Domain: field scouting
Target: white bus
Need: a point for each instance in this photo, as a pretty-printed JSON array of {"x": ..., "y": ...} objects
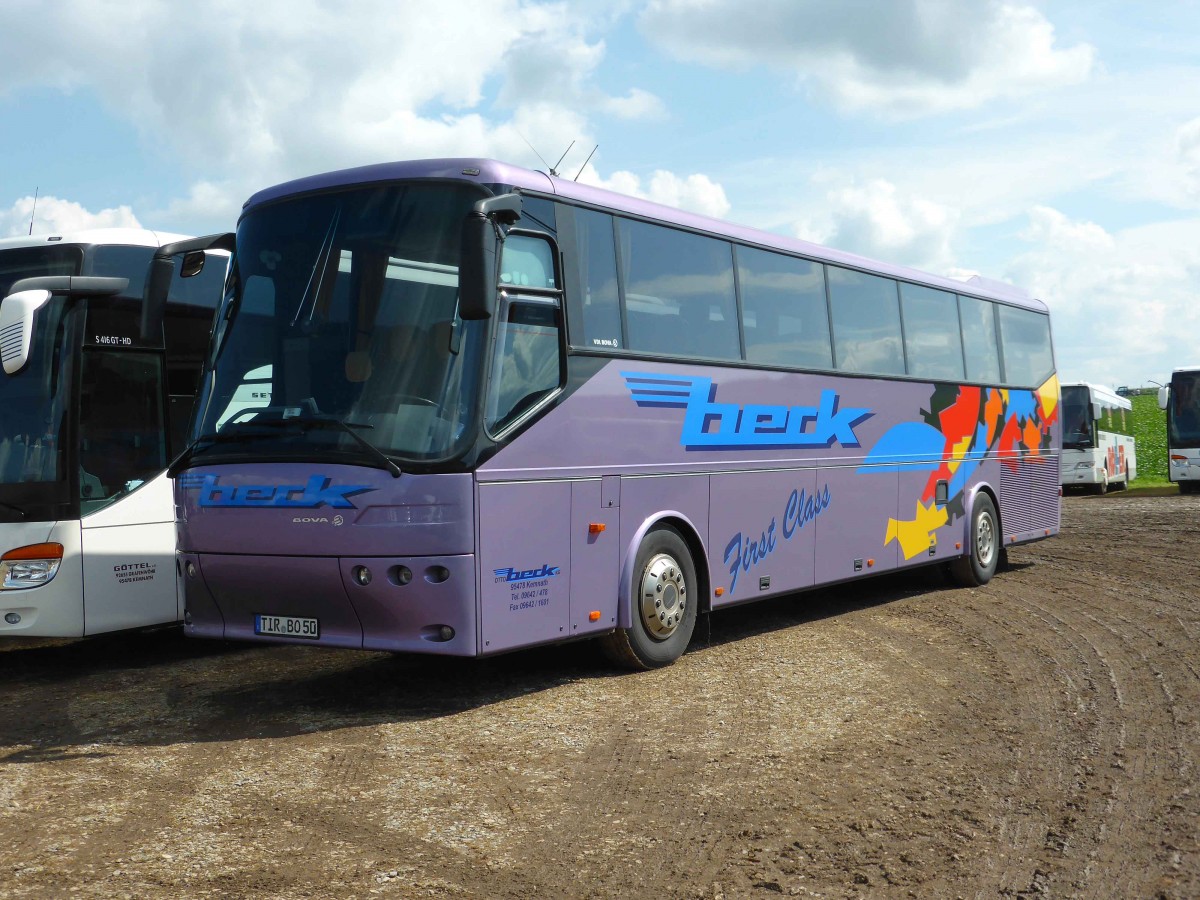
[
  {"x": 1181, "y": 400},
  {"x": 1098, "y": 446},
  {"x": 92, "y": 408}
]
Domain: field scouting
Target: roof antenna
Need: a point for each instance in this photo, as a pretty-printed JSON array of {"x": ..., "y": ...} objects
[
  {"x": 535, "y": 153},
  {"x": 554, "y": 168},
  {"x": 34, "y": 213},
  {"x": 586, "y": 161}
]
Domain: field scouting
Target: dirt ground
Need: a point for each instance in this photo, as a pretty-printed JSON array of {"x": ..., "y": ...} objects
[{"x": 896, "y": 738}]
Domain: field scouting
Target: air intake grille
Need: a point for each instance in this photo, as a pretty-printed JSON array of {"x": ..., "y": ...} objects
[
  {"x": 1029, "y": 497},
  {"x": 10, "y": 342}
]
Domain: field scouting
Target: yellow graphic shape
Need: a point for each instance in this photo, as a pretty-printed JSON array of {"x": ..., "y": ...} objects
[
  {"x": 958, "y": 452},
  {"x": 916, "y": 535},
  {"x": 1048, "y": 396}
]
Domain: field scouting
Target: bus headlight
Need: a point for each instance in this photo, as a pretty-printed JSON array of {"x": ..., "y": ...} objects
[{"x": 28, "y": 567}]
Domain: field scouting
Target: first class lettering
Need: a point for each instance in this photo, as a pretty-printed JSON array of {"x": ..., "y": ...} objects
[{"x": 742, "y": 554}]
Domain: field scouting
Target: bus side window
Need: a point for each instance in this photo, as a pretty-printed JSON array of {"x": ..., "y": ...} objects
[
  {"x": 784, "y": 314},
  {"x": 1025, "y": 340},
  {"x": 527, "y": 262},
  {"x": 528, "y": 361},
  {"x": 981, "y": 348},
  {"x": 866, "y": 322},
  {"x": 597, "y": 258},
  {"x": 681, "y": 287},
  {"x": 932, "y": 339}
]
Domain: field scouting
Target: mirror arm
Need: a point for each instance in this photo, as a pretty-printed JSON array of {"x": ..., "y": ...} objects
[
  {"x": 162, "y": 267},
  {"x": 72, "y": 285}
]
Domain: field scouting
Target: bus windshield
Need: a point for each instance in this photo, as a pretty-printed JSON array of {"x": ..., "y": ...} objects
[
  {"x": 1077, "y": 418},
  {"x": 339, "y": 336},
  {"x": 35, "y": 403},
  {"x": 1183, "y": 411}
]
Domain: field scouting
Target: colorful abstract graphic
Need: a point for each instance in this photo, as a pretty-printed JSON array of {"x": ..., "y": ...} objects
[{"x": 961, "y": 428}]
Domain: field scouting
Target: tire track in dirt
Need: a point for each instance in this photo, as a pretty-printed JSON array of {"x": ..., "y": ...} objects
[{"x": 889, "y": 738}]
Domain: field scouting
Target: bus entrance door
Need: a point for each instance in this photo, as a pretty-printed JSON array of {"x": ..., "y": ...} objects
[{"x": 129, "y": 561}]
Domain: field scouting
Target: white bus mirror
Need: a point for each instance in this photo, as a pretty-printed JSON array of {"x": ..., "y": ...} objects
[
  {"x": 17, "y": 314},
  {"x": 1163, "y": 393}
]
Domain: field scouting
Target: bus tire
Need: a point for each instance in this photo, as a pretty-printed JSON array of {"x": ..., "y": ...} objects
[
  {"x": 983, "y": 551},
  {"x": 663, "y": 598}
]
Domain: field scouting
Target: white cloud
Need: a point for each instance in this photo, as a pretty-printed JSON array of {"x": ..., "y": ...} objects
[
  {"x": 56, "y": 216},
  {"x": 249, "y": 95},
  {"x": 1187, "y": 140},
  {"x": 1122, "y": 304},
  {"x": 900, "y": 59},
  {"x": 696, "y": 193},
  {"x": 879, "y": 221},
  {"x": 637, "y": 104}
]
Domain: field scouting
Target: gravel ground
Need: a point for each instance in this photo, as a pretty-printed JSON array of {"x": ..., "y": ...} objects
[{"x": 894, "y": 738}]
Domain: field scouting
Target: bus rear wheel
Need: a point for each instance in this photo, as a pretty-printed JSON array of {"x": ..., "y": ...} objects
[
  {"x": 983, "y": 552},
  {"x": 664, "y": 600}
]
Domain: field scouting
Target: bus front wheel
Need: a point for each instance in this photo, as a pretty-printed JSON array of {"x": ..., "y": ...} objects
[
  {"x": 664, "y": 600},
  {"x": 983, "y": 551}
]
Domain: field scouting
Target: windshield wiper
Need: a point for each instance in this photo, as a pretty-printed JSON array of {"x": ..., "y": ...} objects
[
  {"x": 383, "y": 461},
  {"x": 20, "y": 512},
  {"x": 181, "y": 461},
  {"x": 386, "y": 461}
]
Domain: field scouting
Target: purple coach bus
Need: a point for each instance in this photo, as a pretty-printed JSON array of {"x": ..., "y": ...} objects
[{"x": 460, "y": 407}]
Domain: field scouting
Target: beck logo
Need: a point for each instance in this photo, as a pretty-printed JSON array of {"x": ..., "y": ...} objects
[
  {"x": 708, "y": 425},
  {"x": 319, "y": 491},
  {"x": 511, "y": 574}
]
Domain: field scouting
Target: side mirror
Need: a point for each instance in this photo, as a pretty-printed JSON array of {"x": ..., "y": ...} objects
[
  {"x": 477, "y": 268},
  {"x": 193, "y": 264},
  {"x": 18, "y": 313},
  {"x": 162, "y": 267},
  {"x": 1164, "y": 394}
]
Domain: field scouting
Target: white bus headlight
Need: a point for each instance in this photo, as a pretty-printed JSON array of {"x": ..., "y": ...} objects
[{"x": 28, "y": 567}]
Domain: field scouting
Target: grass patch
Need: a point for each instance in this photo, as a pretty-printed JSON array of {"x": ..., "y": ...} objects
[{"x": 1150, "y": 433}]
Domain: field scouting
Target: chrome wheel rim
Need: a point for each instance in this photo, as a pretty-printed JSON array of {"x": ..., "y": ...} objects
[
  {"x": 663, "y": 596},
  {"x": 985, "y": 540}
]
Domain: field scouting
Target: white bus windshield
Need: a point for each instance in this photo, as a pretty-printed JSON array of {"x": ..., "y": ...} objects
[{"x": 1183, "y": 410}]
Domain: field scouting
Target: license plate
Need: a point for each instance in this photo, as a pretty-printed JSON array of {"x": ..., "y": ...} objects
[{"x": 288, "y": 626}]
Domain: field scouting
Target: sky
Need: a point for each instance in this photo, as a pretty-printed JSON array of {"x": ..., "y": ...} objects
[{"x": 1053, "y": 145}]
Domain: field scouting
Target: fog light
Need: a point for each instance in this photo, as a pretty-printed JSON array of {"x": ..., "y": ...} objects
[
  {"x": 362, "y": 575},
  {"x": 437, "y": 633},
  {"x": 191, "y": 569},
  {"x": 13, "y": 618},
  {"x": 436, "y": 574},
  {"x": 400, "y": 575}
]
